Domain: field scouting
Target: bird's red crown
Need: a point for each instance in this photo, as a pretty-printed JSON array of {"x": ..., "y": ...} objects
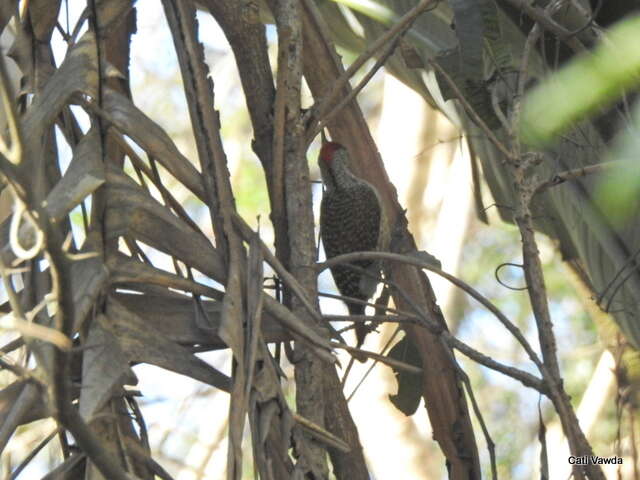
[{"x": 327, "y": 151}]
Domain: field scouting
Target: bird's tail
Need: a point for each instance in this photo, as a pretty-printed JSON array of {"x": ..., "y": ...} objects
[{"x": 360, "y": 328}]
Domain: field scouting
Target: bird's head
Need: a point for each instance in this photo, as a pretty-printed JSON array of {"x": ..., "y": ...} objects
[
  {"x": 333, "y": 162},
  {"x": 330, "y": 152}
]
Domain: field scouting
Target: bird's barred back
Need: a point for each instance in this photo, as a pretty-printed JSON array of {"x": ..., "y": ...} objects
[{"x": 350, "y": 220}]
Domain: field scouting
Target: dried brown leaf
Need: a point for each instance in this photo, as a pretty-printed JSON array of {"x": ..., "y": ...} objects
[
  {"x": 110, "y": 13},
  {"x": 77, "y": 73},
  {"x": 131, "y": 211},
  {"x": 84, "y": 175},
  {"x": 254, "y": 307},
  {"x": 73, "y": 468},
  {"x": 318, "y": 345},
  {"x": 142, "y": 344},
  {"x": 105, "y": 368},
  {"x": 10, "y": 395},
  {"x": 7, "y": 9},
  {"x": 231, "y": 324},
  {"x": 88, "y": 280},
  {"x": 175, "y": 318},
  {"x": 132, "y": 122},
  {"x": 43, "y": 15},
  {"x": 125, "y": 269}
]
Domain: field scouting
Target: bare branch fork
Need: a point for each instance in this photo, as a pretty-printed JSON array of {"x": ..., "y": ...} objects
[
  {"x": 538, "y": 298},
  {"x": 518, "y": 164},
  {"x": 320, "y": 113},
  {"x": 525, "y": 378}
]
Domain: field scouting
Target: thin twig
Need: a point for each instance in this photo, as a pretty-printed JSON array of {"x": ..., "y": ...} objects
[
  {"x": 491, "y": 446},
  {"x": 321, "y": 434},
  {"x": 542, "y": 17},
  {"x": 471, "y": 111},
  {"x": 536, "y": 289},
  {"x": 525, "y": 378},
  {"x": 34, "y": 451},
  {"x": 523, "y": 75},
  {"x": 246, "y": 232},
  {"x": 379, "y": 358},
  {"x": 317, "y": 111},
  {"x": 574, "y": 173},
  {"x": 369, "y": 318},
  {"x": 375, "y": 362},
  {"x": 324, "y": 119},
  {"x": 12, "y": 152},
  {"x": 13, "y": 418},
  {"x": 359, "y": 301},
  {"x": 544, "y": 460},
  {"x": 515, "y": 331}
]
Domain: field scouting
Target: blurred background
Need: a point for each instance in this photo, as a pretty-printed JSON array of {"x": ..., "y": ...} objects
[{"x": 428, "y": 161}]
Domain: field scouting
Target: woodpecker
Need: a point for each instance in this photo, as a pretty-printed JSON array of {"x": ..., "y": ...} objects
[{"x": 351, "y": 220}]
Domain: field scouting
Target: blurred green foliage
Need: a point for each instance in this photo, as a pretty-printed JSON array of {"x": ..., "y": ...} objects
[
  {"x": 619, "y": 190},
  {"x": 590, "y": 82},
  {"x": 373, "y": 9}
]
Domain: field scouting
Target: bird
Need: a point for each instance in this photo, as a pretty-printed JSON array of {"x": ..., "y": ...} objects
[{"x": 351, "y": 220}]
